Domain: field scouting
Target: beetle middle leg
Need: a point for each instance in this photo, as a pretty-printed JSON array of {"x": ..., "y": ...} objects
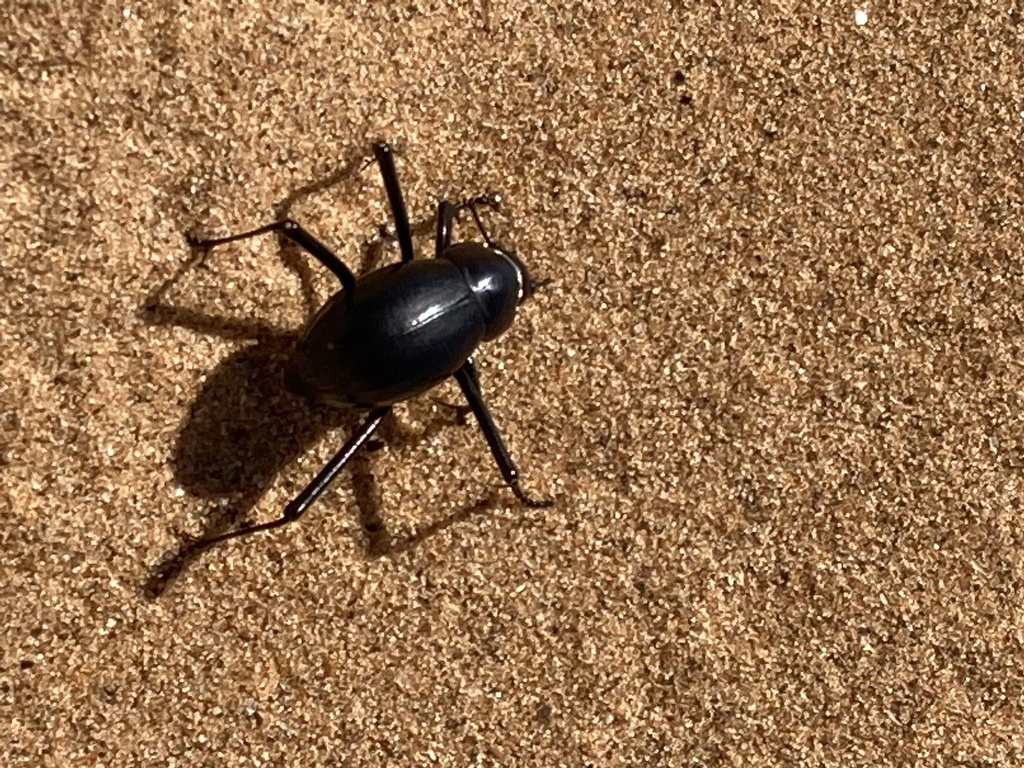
[
  {"x": 298, "y": 235},
  {"x": 469, "y": 381}
]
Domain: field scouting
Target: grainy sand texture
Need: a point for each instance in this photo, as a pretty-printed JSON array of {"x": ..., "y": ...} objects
[{"x": 775, "y": 386}]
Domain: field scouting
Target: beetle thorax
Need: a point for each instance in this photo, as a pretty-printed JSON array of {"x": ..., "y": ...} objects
[{"x": 496, "y": 281}]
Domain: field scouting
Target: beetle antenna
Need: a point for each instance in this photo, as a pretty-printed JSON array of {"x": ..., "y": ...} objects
[{"x": 479, "y": 224}]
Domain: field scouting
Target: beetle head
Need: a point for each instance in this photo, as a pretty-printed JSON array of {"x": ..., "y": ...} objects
[{"x": 527, "y": 286}]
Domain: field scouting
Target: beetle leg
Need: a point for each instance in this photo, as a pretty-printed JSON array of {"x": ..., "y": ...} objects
[
  {"x": 473, "y": 205},
  {"x": 446, "y": 213},
  {"x": 445, "y": 220},
  {"x": 298, "y": 235},
  {"x": 297, "y": 507},
  {"x": 469, "y": 381},
  {"x": 474, "y": 375},
  {"x": 386, "y": 160}
]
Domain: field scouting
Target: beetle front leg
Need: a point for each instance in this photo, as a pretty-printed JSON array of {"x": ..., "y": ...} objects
[
  {"x": 469, "y": 381},
  {"x": 447, "y": 212},
  {"x": 298, "y": 235}
]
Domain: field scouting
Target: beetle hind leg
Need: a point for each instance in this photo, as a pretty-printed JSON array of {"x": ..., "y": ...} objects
[{"x": 297, "y": 507}]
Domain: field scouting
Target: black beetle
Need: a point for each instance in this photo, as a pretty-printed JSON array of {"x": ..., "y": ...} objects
[{"x": 400, "y": 330}]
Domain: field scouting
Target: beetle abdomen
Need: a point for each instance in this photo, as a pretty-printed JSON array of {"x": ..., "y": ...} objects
[{"x": 410, "y": 326}]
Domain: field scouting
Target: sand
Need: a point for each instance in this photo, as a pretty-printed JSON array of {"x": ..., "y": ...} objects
[{"x": 775, "y": 386}]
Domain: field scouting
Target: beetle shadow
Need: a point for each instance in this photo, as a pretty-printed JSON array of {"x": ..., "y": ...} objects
[{"x": 244, "y": 427}]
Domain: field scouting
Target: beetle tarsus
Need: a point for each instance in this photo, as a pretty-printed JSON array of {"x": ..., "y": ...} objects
[
  {"x": 298, "y": 235},
  {"x": 529, "y": 500}
]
